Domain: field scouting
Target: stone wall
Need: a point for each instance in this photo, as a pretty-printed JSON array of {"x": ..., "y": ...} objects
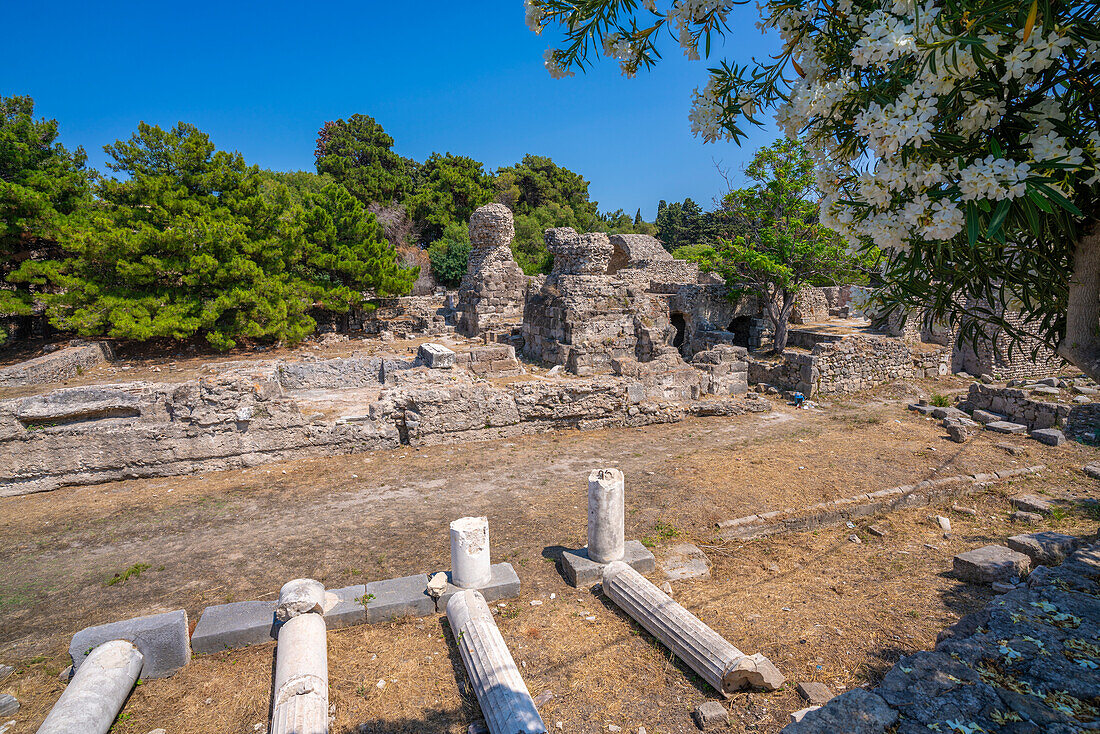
[
  {"x": 853, "y": 363},
  {"x": 88, "y": 435},
  {"x": 810, "y": 307},
  {"x": 1018, "y": 405},
  {"x": 57, "y": 366},
  {"x": 494, "y": 287},
  {"x": 408, "y": 316}
]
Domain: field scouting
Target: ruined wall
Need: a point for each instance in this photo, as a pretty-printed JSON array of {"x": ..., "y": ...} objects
[
  {"x": 407, "y": 316},
  {"x": 494, "y": 287},
  {"x": 851, "y": 364},
  {"x": 1078, "y": 421},
  {"x": 88, "y": 435},
  {"x": 810, "y": 307},
  {"x": 995, "y": 355},
  {"x": 57, "y": 366}
]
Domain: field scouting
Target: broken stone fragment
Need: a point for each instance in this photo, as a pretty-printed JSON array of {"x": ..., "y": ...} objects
[
  {"x": 1047, "y": 548},
  {"x": 300, "y": 596},
  {"x": 437, "y": 585},
  {"x": 1032, "y": 503},
  {"x": 710, "y": 715},
  {"x": 815, "y": 692}
]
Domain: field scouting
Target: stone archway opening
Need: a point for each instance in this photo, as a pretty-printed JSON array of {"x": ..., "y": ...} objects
[
  {"x": 740, "y": 327},
  {"x": 679, "y": 323}
]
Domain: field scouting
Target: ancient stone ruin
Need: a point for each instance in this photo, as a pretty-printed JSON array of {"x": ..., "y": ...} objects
[{"x": 494, "y": 287}]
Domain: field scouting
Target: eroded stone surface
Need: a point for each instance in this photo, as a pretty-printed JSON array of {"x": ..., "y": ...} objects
[
  {"x": 991, "y": 563},
  {"x": 1046, "y": 548}
]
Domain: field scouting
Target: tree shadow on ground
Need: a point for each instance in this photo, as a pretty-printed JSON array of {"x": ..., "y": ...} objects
[{"x": 432, "y": 721}]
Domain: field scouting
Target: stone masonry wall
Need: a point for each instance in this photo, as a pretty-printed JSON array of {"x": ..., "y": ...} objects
[
  {"x": 1078, "y": 422},
  {"x": 494, "y": 287},
  {"x": 853, "y": 363},
  {"x": 56, "y": 366}
]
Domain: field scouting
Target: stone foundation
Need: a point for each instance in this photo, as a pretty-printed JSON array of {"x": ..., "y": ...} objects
[{"x": 57, "y": 366}]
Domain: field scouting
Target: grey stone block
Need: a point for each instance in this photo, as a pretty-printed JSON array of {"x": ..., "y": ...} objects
[
  {"x": 1047, "y": 548},
  {"x": 1049, "y": 436},
  {"x": 400, "y": 597},
  {"x": 436, "y": 356},
  {"x": 8, "y": 704},
  {"x": 814, "y": 692},
  {"x": 1005, "y": 427},
  {"x": 1032, "y": 503},
  {"x": 580, "y": 570},
  {"x": 344, "y": 607},
  {"x": 991, "y": 563},
  {"x": 710, "y": 715},
  {"x": 504, "y": 584},
  {"x": 161, "y": 638},
  {"x": 985, "y": 416},
  {"x": 239, "y": 624}
]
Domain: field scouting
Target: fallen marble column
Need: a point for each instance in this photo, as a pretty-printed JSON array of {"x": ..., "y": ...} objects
[
  {"x": 505, "y": 701},
  {"x": 300, "y": 704},
  {"x": 470, "y": 552},
  {"x": 606, "y": 516},
  {"x": 98, "y": 690},
  {"x": 706, "y": 652}
]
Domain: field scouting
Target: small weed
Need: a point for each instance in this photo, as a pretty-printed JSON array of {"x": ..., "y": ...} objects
[
  {"x": 913, "y": 614},
  {"x": 940, "y": 401},
  {"x": 132, "y": 572},
  {"x": 666, "y": 530}
]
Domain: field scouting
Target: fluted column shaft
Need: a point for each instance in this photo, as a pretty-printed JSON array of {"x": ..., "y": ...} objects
[{"x": 97, "y": 691}]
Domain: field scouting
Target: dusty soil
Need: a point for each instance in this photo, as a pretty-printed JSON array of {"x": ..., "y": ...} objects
[{"x": 821, "y": 607}]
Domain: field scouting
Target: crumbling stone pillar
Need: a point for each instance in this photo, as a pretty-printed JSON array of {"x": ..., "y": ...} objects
[
  {"x": 470, "y": 552},
  {"x": 606, "y": 516},
  {"x": 300, "y": 703},
  {"x": 505, "y": 701},
  {"x": 706, "y": 652},
  {"x": 97, "y": 691},
  {"x": 494, "y": 287}
]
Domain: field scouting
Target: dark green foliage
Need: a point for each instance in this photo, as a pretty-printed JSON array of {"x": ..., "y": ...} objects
[
  {"x": 451, "y": 188},
  {"x": 40, "y": 184},
  {"x": 682, "y": 224},
  {"x": 358, "y": 154},
  {"x": 537, "y": 181},
  {"x": 784, "y": 248},
  {"x": 705, "y": 255},
  {"x": 345, "y": 252},
  {"x": 192, "y": 242},
  {"x": 450, "y": 254}
]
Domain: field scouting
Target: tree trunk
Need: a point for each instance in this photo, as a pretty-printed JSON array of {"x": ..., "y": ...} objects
[
  {"x": 1081, "y": 347},
  {"x": 782, "y": 322}
]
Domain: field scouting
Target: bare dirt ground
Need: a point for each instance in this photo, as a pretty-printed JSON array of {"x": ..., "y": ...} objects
[{"x": 821, "y": 607}]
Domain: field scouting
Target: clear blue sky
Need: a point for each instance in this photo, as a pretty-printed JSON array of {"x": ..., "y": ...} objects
[{"x": 465, "y": 78}]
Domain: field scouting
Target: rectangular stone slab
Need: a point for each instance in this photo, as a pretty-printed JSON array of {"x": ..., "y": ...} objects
[
  {"x": 991, "y": 563},
  {"x": 1005, "y": 427},
  {"x": 579, "y": 570},
  {"x": 400, "y": 597},
  {"x": 346, "y": 608},
  {"x": 239, "y": 624},
  {"x": 161, "y": 638},
  {"x": 503, "y": 584},
  {"x": 1047, "y": 548}
]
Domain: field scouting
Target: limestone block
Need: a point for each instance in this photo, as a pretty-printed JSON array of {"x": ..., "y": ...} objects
[
  {"x": 400, "y": 597},
  {"x": 238, "y": 624},
  {"x": 1049, "y": 436},
  {"x": 1032, "y": 503},
  {"x": 580, "y": 570},
  {"x": 344, "y": 607},
  {"x": 300, "y": 596},
  {"x": 437, "y": 356},
  {"x": 1046, "y": 548},
  {"x": 1005, "y": 427},
  {"x": 814, "y": 692},
  {"x": 984, "y": 417},
  {"x": 991, "y": 563},
  {"x": 162, "y": 640},
  {"x": 710, "y": 715}
]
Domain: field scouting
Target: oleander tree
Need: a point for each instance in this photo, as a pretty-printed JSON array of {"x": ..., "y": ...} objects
[{"x": 960, "y": 136}]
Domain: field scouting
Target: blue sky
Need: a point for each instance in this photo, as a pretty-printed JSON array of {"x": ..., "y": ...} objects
[{"x": 465, "y": 78}]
